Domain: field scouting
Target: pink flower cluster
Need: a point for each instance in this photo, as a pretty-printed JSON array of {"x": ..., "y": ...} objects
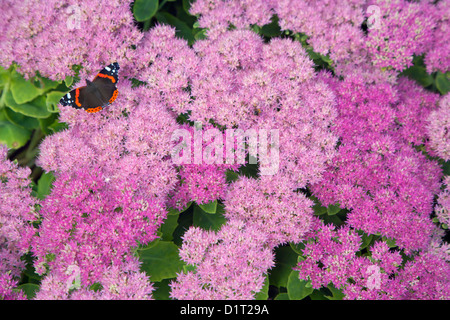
[
  {"x": 397, "y": 30},
  {"x": 352, "y": 141},
  {"x": 124, "y": 282},
  {"x": 405, "y": 28},
  {"x": 443, "y": 203},
  {"x": 245, "y": 83},
  {"x": 103, "y": 202},
  {"x": 376, "y": 173},
  {"x": 219, "y": 15},
  {"x": 17, "y": 211},
  {"x": 166, "y": 63},
  {"x": 229, "y": 264},
  {"x": 438, "y": 128},
  {"x": 205, "y": 181},
  {"x": 330, "y": 257},
  {"x": 92, "y": 223},
  {"x": 52, "y": 36},
  {"x": 271, "y": 206}
]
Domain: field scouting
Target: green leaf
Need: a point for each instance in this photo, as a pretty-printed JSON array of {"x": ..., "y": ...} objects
[
  {"x": 333, "y": 209},
  {"x": 182, "y": 29},
  {"x": 169, "y": 226},
  {"x": 145, "y": 9},
  {"x": 419, "y": 74},
  {"x": 44, "y": 123},
  {"x": 187, "y": 6},
  {"x": 208, "y": 221},
  {"x": 263, "y": 294},
  {"x": 68, "y": 81},
  {"x": 44, "y": 185},
  {"x": 21, "y": 120},
  {"x": 298, "y": 289},
  {"x": 22, "y": 90},
  {"x": 285, "y": 259},
  {"x": 231, "y": 176},
  {"x": 317, "y": 295},
  {"x": 52, "y": 101},
  {"x": 446, "y": 168},
  {"x": 282, "y": 296},
  {"x": 390, "y": 242},
  {"x": 297, "y": 247},
  {"x": 13, "y": 136},
  {"x": 161, "y": 261},
  {"x": 162, "y": 290},
  {"x": 199, "y": 34},
  {"x": 29, "y": 289},
  {"x": 210, "y": 207},
  {"x": 272, "y": 29},
  {"x": 45, "y": 84},
  {"x": 366, "y": 240},
  {"x": 442, "y": 83},
  {"x": 36, "y": 108},
  {"x": 318, "y": 208},
  {"x": 4, "y": 76},
  {"x": 336, "y": 294},
  {"x": 57, "y": 126}
]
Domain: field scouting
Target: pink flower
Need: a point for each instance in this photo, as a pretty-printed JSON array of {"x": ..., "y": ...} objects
[
  {"x": 17, "y": 211},
  {"x": 28, "y": 38},
  {"x": 438, "y": 128},
  {"x": 93, "y": 224},
  {"x": 381, "y": 179},
  {"x": 269, "y": 205},
  {"x": 117, "y": 283},
  {"x": 230, "y": 264},
  {"x": 442, "y": 208}
]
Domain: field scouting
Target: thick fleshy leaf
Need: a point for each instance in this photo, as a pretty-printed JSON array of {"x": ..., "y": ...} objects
[
  {"x": 208, "y": 221},
  {"x": 169, "y": 226},
  {"x": 145, "y": 9},
  {"x": 286, "y": 259},
  {"x": 36, "y": 108},
  {"x": 210, "y": 207},
  {"x": 13, "y": 136},
  {"x": 44, "y": 185},
  {"x": 22, "y": 90},
  {"x": 443, "y": 83},
  {"x": 21, "y": 120},
  {"x": 29, "y": 289},
  {"x": 52, "y": 101},
  {"x": 298, "y": 289},
  {"x": 161, "y": 261}
]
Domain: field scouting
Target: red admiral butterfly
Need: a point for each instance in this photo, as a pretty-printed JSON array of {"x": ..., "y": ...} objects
[{"x": 97, "y": 94}]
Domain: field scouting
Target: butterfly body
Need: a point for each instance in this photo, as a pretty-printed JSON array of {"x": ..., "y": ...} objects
[{"x": 97, "y": 93}]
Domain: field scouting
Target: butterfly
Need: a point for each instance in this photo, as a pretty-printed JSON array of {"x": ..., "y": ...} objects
[{"x": 97, "y": 94}]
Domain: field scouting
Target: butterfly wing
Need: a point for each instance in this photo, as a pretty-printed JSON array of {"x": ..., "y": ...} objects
[
  {"x": 110, "y": 72},
  {"x": 72, "y": 98},
  {"x": 106, "y": 81},
  {"x": 98, "y": 93}
]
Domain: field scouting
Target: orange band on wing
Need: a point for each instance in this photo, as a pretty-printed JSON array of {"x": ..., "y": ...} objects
[
  {"x": 114, "y": 96},
  {"x": 77, "y": 94},
  {"x": 93, "y": 110},
  {"x": 102, "y": 75}
]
